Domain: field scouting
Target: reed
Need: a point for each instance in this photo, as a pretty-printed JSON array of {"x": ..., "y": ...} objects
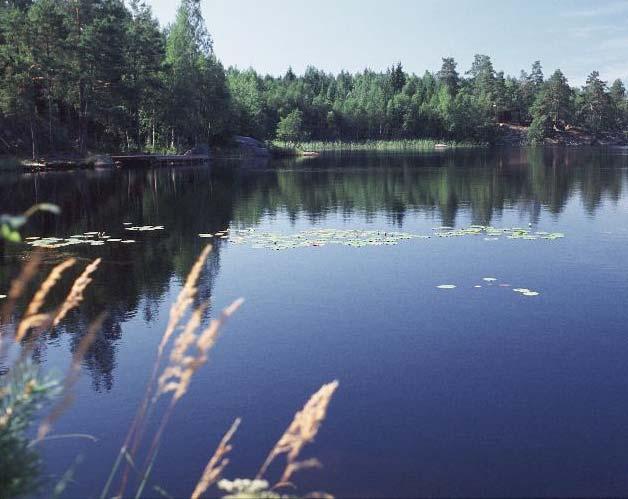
[
  {"x": 71, "y": 378},
  {"x": 387, "y": 146},
  {"x": 75, "y": 297},
  {"x": 302, "y": 430},
  {"x": 190, "y": 345},
  {"x": 178, "y": 310},
  {"x": 24, "y": 392},
  {"x": 32, "y": 318},
  {"x": 217, "y": 463}
]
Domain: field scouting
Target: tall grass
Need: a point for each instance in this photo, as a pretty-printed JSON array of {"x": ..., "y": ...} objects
[
  {"x": 388, "y": 146},
  {"x": 184, "y": 348}
]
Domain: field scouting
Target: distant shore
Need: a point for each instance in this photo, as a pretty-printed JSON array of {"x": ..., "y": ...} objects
[{"x": 510, "y": 136}]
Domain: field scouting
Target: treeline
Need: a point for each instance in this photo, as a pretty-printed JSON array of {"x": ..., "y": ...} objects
[
  {"x": 443, "y": 105},
  {"x": 103, "y": 75},
  {"x": 100, "y": 74}
]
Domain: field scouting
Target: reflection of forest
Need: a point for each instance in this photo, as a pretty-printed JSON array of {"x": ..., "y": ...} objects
[
  {"x": 483, "y": 182},
  {"x": 134, "y": 278}
]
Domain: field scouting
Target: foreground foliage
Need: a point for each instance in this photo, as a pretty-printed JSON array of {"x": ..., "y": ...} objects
[{"x": 182, "y": 352}]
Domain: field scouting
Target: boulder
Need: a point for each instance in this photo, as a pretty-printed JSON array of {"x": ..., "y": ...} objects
[
  {"x": 251, "y": 146},
  {"x": 199, "y": 150},
  {"x": 101, "y": 161}
]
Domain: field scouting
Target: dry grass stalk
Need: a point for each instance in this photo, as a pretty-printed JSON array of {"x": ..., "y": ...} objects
[
  {"x": 40, "y": 296},
  {"x": 318, "y": 495},
  {"x": 185, "y": 299},
  {"x": 71, "y": 378},
  {"x": 217, "y": 463},
  {"x": 75, "y": 297},
  {"x": 32, "y": 318},
  {"x": 301, "y": 431},
  {"x": 292, "y": 468},
  {"x": 178, "y": 374},
  {"x": 18, "y": 285},
  {"x": 177, "y": 311}
]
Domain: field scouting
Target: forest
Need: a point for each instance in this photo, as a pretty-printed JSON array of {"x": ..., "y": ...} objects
[{"x": 103, "y": 75}]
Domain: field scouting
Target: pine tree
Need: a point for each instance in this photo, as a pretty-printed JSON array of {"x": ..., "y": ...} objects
[
  {"x": 448, "y": 75},
  {"x": 144, "y": 53},
  {"x": 619, "y": 107},
  {"x": 595, "y": 104}
]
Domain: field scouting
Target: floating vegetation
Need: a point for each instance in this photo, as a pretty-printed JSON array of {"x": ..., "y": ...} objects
[
  {"x": 495, "y": 234},
  {"x": 145, "y": 228},
  {"x": 317, "y": 238},
  {"x": 90, "y": 238},
  {"x": 355, "y": 238},
  {"x": 310, "y": 238},
  {"x": 490, "y": 280},
  {"x": 526, "y": 292},
  {"x": 87, "y": 239}
]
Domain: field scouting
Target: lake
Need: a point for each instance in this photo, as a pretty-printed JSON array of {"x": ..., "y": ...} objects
[{"x": 476, "y": 390}]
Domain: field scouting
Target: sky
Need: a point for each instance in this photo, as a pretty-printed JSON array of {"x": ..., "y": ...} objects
[{"x": 576, "y": 36}]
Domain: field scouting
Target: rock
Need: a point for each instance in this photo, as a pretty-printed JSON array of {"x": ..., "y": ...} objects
[
  {"x": 101, "y": 161},
  {"x": 251, "y": 146},
  {"x": 199, "y": 150}
]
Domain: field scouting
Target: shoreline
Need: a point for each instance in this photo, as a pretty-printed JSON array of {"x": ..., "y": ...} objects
[{"x": 102, "y": 161}]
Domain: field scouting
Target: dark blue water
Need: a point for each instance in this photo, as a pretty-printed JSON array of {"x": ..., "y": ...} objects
[{"x": 469, "y": 391}]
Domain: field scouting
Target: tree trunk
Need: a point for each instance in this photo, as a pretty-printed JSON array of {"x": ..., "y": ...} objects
[
  {"x": 139, "y": 132},
  {"x": 33, "y": 147},
  {"x": 50, "y": 139},
  {"x": 82, "y": 131},
  {"x": 82, "y": 118}
]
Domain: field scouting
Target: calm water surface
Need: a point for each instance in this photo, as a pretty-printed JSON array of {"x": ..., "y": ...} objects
[{"x": 472, "y": 391}]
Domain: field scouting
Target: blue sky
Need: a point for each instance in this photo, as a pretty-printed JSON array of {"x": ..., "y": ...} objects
[{"x": 270, "y": 35}]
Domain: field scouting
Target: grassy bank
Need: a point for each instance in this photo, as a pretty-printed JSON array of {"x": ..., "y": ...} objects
[{"x": 389, "y": 146}]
